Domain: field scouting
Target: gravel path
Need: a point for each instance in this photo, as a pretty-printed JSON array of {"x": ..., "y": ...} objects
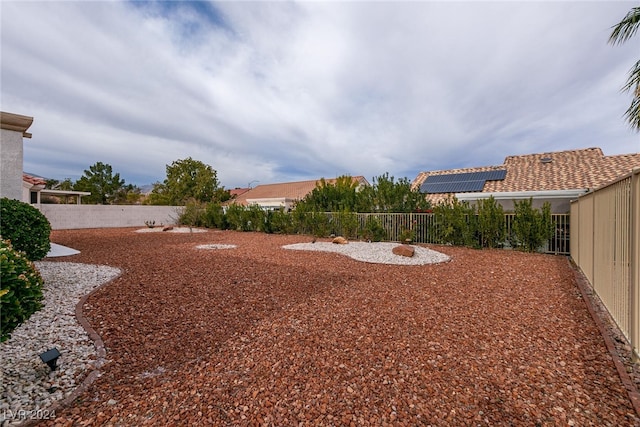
[
  {"x": 28, "y": 388},
  {"x": 258, "y": 334}
]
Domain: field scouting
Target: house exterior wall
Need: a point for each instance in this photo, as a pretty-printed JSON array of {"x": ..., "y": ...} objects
[
  {"x": 11, "y": 156},
  {"x": 66, "y": 217}
]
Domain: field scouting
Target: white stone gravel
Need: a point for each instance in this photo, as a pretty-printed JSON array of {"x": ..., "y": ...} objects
[
  {"x": 216, "y": 246},
  {"x": 375, "y": 252},
  {"x": 27, "y": 385}
]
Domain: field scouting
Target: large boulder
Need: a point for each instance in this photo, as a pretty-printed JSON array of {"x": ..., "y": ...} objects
[
  {"x": 404, "y": 250},
  {"x": 340, "y": 240}
]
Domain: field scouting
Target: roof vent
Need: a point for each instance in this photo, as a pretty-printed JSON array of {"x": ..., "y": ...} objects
[{"x": 546, "y": 160}]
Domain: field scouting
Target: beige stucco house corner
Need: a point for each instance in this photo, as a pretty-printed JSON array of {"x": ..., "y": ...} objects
[{"x": 13, "y": 129}]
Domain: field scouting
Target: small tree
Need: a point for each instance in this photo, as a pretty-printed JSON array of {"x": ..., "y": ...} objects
[
  {"x": 100, "y": 181},
  {"x": 331, "y": 197},
  {"x": 187, "y": 179},
  {"x": 388, "y": 195}
]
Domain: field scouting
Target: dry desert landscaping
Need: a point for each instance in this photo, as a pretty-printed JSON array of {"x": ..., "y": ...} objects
[{"x": 254, "y": 334}]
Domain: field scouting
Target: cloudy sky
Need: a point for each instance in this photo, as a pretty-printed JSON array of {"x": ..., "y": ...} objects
[{"x": 269, "y": 92}]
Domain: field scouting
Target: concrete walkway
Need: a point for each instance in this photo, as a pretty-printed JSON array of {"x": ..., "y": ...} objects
[{"x": 59, "y": 250}]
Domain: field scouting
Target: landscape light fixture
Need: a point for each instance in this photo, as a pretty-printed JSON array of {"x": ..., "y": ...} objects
[{"x": 50, "y": 357}]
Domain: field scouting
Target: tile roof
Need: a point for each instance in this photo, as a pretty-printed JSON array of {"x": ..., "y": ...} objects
[
  {"x": 238, "y": 191},
  {"x": 287, "y": 190},
  {"x": 33, "y": 180},
  {"x": 560, "y": 170}
]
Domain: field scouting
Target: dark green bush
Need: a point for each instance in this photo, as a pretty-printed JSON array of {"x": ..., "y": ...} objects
[
  {"x": 491, "y": 223},
  {"x": 532, "y": 228},
  {"x": 280, "y": 222},
  {"x": 373, "y": 230},
  {"x": 455, "y": 223},
  {"x": 255, "y": 218},
  {"x": 348, "y": 224},
  {"x": 318, "y": 223},
  {"x": 21, "y": 292},
  {"x": 235, "y": 217},
  {"x": 26, "y": 227},
  {"x": 214, "y": 216}
]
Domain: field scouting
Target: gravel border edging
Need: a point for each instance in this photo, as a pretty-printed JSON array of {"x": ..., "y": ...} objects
[
  {"x": 589, "y": 298},
  {"x": 101, "y": 354}
]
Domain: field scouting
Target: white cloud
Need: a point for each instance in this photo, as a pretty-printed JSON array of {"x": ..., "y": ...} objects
[{"x": 276, "y": 91}]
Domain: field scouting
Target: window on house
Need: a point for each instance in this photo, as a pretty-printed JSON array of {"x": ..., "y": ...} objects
[{"x": 34, "y": 197}]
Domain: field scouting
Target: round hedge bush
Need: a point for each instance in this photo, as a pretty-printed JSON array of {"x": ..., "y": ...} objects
[
  {"x": 20, "y": 289},
  {"x": 26, "y": 227}
]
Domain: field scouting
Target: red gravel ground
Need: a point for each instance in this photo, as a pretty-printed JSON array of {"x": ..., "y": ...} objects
[{"x": 260, "y": 335}]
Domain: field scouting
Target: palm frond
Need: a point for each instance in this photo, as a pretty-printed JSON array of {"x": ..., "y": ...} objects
[
  {"x": 626, "y": 28},
  {"x": 633, "y": 82},
  {"x": 633, "y": 114}
]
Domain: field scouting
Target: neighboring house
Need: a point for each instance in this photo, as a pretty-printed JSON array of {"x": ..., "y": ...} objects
[
  {"x": 13, "y": 130},
  {"x": 31, "y": 188},
  {"x": 283, "y": 195},
  {"x": 238, "y": 191},
  {"x": 554, "y": 177},
  {"x": 35, "y": 193}
]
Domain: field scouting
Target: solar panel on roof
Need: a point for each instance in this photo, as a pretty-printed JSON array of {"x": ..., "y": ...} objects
[
  {"x": 452, "y": 187},
  {"x": 460, "y": 182}
]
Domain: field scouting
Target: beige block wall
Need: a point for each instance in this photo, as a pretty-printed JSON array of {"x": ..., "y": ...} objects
[{"x": 66, "y": 217}]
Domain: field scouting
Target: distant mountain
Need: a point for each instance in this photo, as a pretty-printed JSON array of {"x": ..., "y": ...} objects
[{"x": 146, "y": 189}]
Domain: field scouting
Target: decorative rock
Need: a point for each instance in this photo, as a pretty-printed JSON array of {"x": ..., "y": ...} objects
[
  {"x": 167, "y": 228},
  {"x": 340, "y": 240},
  {"x": 404, "y": 250},
  {"x": 27, "y": 383}
]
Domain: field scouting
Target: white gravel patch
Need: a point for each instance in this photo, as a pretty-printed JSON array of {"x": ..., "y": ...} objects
[
  {"x": 173, "y": 230},
  {"x": 216, "y": 246},
  {"x": 375, "y": 252},
  {"x": 27, "y": 385}
]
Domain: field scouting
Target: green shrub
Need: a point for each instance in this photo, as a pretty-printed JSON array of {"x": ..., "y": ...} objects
[
  {"x": 280, "y": 222},
  {"x": 348, "y": 224},
  {"x": 373, "y": 230},
  {"x": 213, "y": 216},
  {"x": 26, "y": 227},
  {"x": 21, "y": 289},
  {"x": 490, "y": 223},
  {"x": 235, "y": 217},
  {"x": 255, "y": 218},
  {"x": 319, "y": 223},
  {"x": 531, "y": 227},
  {"x": 193, "y": 214},
  {"x": 455, "y": 223}
]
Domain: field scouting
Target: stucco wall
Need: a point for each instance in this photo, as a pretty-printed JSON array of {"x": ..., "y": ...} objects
[
  {"x": 64, "y": 217},
  {"x": 11, "y": 155}
]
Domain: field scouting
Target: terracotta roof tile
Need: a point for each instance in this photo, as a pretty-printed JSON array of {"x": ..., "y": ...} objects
[
  {"x": 33, "y": 180},
  {"x": 238, "y": 191},
  {"x": 560, "y": 170}
]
